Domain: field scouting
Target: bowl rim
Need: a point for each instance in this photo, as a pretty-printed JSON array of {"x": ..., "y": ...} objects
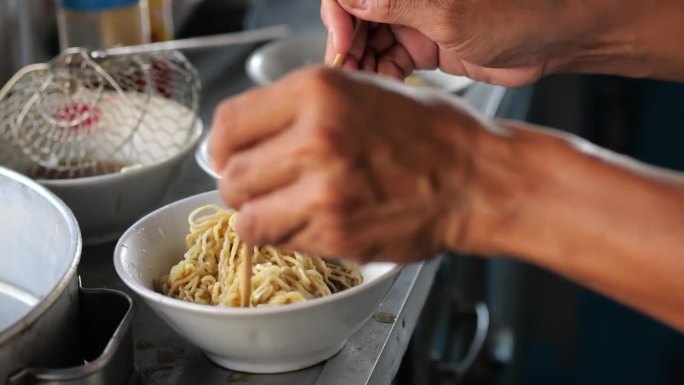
[
  {"x": 151, "y": 295},
  {"x": 195, "y": 135},
  {"x": 203, "y": 158},
  {"x": 254, "y": 60}
]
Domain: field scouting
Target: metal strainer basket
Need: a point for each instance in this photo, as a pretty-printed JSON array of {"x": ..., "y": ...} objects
[{"x": 81, "y": 116}]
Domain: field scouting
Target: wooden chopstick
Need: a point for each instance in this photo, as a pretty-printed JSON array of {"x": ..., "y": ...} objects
[
  {"x": 341, "y": 57},
  {"x": 246, "y": 278},
  {"x": 339, "y": 61}
]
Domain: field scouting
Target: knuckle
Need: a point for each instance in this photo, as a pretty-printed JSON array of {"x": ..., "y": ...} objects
[
  {"x": 229, "y": 195},
  {"x": 257, "y": 230},
  {"x": 225, "y": 113},
  {"x": 320, "y": 80},
  {"x": 236, "y": 168},
  {"x": 328, "y": 197},
  {"x": 226, "y": 117},
  {"x": 316, "y": 84},
  {"x": 247, "y": 227},
  {"x": 323, "y": 140}
]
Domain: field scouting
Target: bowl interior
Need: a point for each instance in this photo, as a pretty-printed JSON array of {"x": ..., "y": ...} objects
[
  {"x": 274, "y": 60},
  {"x": 150, "y": 247},
  {"x": 160, "y": 154},
  {"x": 162, "y": 132},
  {"x": 40, "y": 245}
]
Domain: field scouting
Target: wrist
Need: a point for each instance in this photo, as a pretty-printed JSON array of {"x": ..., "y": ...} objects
[
  {"x": 492, "y": 193},
  {"x": 547, "y": 167},
  {"x": 519, "y": 183}
]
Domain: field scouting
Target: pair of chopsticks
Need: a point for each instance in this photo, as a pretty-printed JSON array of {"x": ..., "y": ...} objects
[
  {"x": 341, "y": 57},
  {"x": 246, "y": 251}
]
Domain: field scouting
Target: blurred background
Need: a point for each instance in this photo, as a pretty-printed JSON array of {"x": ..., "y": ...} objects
[{"x": 543, "y": 328}]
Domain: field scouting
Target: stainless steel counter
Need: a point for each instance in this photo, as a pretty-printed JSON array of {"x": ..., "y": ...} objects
[{"x": 372, "y": 355}]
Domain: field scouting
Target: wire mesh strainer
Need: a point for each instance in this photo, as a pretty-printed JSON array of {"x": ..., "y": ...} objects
[
  {"x": 90, "y": 113},
  {"x": 78, "y": 116}
]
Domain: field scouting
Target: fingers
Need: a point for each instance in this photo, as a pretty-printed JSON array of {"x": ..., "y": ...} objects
[
  {"x": 397, "y": 51},
  {"x": 368, "y": 62},
  {"x": 339, "y": 18},
  {"x": 381, "y": 38},
  {"x": 377, "y": 234},
  {"x": 274, "y": 218},
  {"x": 340, "y": 25},
  {"x": 245, "y": 120},
  {"x": 396, "y": 62},
  {"x": 261, "y": 169},
  {"x": 281, "y": 215},
  {"x": 422, "y": 50}
]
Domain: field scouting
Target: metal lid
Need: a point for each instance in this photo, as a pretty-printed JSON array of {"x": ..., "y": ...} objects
[{"x": 96, "y": 5}]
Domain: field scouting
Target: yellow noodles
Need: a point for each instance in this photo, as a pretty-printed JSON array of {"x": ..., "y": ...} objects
[{"x": 210, "y": 270}]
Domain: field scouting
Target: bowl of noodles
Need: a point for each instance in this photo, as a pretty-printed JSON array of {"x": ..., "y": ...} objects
[{"x": 250, "y": 309}]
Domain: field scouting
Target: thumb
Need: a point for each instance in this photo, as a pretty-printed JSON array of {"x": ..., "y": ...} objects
[{"x": 405, "y": 12}]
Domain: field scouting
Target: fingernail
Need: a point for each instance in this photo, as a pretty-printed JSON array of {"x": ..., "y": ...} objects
[{"x": 357, "y": 4}]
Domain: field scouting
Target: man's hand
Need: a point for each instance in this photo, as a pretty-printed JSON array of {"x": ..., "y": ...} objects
[
  {"x": 343, "y": 167},
  {"x": 327, "y": 164},
  {"x": 512, "y": 43}
]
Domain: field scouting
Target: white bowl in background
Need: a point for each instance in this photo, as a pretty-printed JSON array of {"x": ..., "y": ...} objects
[
  {"x": 272, "y": 61},
  {"x": 257, "y": 340},
  {"x": 106, "y": 205}
]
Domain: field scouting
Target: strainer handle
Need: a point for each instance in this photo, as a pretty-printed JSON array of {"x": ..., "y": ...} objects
[
  {"x": 226, "y": 39},
  {"x": 21, "y": 73}
]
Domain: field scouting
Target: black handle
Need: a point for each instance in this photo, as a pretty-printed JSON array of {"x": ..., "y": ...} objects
[
  {"x": 453, "y": 372},
  {"x": 105, "y": 318}
]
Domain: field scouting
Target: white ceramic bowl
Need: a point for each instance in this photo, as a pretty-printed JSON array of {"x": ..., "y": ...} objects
[
  {"x": 271, "y": 61},
  {"x": 106, "y": 205},
  {"x": 257, "y": 340}
]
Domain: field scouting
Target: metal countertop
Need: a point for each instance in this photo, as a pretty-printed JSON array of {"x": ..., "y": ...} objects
[{"x": 371, "y": 356}]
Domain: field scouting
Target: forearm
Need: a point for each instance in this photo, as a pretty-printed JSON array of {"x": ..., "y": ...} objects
[
  {"x": 635, "y": 38},
  {"x": 599, "y": 219}
]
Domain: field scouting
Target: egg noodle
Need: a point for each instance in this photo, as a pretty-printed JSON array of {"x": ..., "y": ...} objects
[{"x": 212, "y": 271}]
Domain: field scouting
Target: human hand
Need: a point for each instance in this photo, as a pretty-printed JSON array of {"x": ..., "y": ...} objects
[
  {"x": 327, "y": 163},
  {"x": 495, "y": 41}
]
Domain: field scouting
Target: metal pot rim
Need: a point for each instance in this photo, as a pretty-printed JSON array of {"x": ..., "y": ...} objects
[{"x": 75, "y": 251}]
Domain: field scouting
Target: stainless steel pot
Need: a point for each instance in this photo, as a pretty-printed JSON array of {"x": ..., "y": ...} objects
[
  {"x": 40, "y": 247},
  {"x": 42, "y": 325}
]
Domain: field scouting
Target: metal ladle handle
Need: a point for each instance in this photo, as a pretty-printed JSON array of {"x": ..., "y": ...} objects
[{"x": 226, "y": 39}]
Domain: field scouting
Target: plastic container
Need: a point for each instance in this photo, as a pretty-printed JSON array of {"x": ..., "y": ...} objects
[
  {"x": 161, "y": 20},
  {"x": 100, "y": 24}
]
